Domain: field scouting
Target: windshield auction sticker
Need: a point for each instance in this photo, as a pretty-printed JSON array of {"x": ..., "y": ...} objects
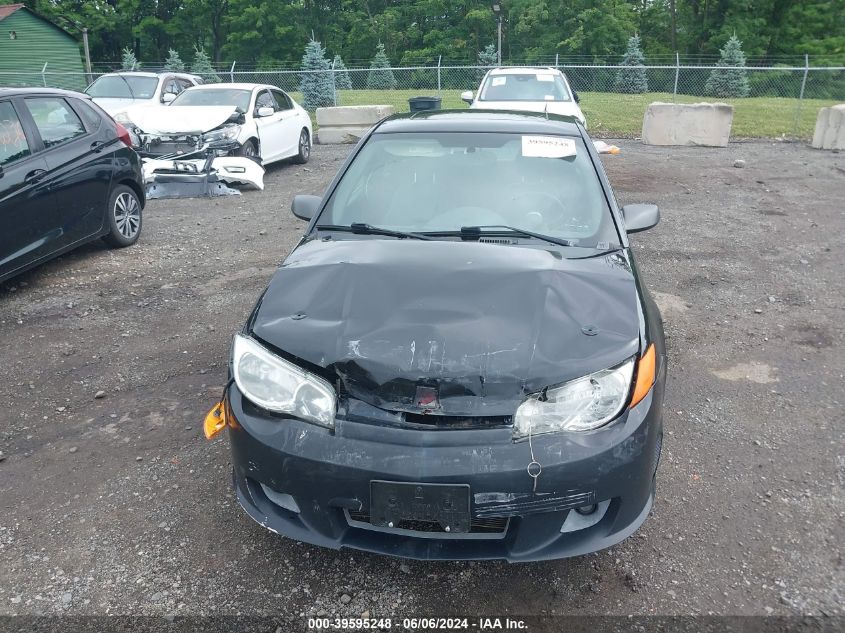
[{"x": 547, "y": 147}]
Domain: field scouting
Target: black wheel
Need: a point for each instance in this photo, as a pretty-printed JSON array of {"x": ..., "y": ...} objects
[
  {"x": 124, "y": 217},
  {"x": 304, "y": 148},
  {"x": 249, "y": 149}
]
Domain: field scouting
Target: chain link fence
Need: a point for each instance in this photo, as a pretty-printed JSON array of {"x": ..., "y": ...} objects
[{"x": 781, "y": 101}]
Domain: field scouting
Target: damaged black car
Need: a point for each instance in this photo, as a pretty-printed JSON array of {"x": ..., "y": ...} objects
[{"x": 459, "y": 359}]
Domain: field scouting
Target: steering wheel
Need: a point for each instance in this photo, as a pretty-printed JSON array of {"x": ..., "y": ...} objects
[{"x": 540, "y": 210}]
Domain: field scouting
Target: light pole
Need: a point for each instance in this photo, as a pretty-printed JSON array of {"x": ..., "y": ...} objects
[{"x": 497, "y": 10}]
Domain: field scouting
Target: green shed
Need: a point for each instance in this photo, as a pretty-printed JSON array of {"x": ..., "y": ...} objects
[{"x": 28, "y": 41}]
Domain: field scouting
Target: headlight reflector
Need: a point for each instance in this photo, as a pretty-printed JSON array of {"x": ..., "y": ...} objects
[
  {"x": 582, "y": 404},
  {"x": 226, "y": 133},
  {"x": 277, "y": 385}
]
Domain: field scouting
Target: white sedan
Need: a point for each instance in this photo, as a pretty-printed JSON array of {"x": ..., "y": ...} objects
[
  {"x": 526, "y": 89},
  {"x": 261, "y": 121}
]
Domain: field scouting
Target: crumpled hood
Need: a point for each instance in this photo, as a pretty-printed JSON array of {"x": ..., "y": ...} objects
[
  {"x": 481, "y": 324},
  {"x": 180, "y": 119}
]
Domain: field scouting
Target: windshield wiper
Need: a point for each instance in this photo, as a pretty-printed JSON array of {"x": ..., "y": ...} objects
[
  {"x": 475, "y": 232},
  {"x": 600, "y": 253},
  {"x": 131, "y": 92},
  {"x": 359, "y": 228}
]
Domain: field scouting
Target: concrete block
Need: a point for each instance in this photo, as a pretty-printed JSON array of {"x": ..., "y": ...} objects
[
  {"x": 344, "y": 134},
  {"x": 707, "y": 124},
  {"x": 830, "y": 128},
  {"x": 353, "y": 115}
]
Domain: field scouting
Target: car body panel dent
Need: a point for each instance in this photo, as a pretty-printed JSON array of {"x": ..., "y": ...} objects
[{"x": 482, "y": 324}]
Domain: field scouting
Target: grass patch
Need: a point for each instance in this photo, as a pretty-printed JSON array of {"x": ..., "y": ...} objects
[{"x": 611, "y": 114}]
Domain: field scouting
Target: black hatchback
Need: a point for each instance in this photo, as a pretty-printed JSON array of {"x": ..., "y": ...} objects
[{"x": 68, "y": 175}]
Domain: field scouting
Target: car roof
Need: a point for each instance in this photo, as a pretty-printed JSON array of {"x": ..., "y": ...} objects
[
  {"x": 145, "y": 73},
  {"x": 22, "y": 91},
  {"x": 478, "y": 120},
  {"x": 239, "y": 86},
  {"x": 523, "y": 70}
]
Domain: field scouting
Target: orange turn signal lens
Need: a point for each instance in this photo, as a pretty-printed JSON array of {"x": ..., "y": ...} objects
[
  {"x": 645, "y": 376},
  {"x": 215, "y": 420}
]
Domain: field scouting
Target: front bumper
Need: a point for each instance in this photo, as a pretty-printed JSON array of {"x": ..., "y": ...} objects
[{"x": 323, "y": 480}]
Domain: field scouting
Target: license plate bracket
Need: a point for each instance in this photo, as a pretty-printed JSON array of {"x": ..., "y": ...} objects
[{"x": 392, "y": 502}]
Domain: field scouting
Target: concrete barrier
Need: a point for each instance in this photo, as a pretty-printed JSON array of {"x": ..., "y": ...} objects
[
  {"x": 707, "y": 124},
  {"x": 347, "y": 124},
  {"x": 830, "y": 128}
]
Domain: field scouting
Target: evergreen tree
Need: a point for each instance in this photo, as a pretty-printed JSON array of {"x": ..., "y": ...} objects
[
  {"x": 488, "y": 57},
  {"x": 632, "y": 77},
  {"x": 128, "y": 60},
  {"x": 315, "y": 80},
  {"x": 342, "y": 81},
  {"x": 174, "y": 62},
  {"x": 381, "y": 76},
  {"x": 729, "y": 82},
  {"x": 202, "y": 67}
]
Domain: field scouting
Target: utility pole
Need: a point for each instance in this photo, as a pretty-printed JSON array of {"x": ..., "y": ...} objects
[
  {"x": 89, "y": 77},
  {"x": 674, "y": 26}
]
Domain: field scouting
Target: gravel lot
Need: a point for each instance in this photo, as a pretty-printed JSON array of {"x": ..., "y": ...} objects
[{"x": 117, "y": 505}]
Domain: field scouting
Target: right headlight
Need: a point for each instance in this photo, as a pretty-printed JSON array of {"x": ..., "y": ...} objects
[
  {"x": 122, "y": 118},
  {"x": 277, "y": 385},
  {"x": 582, "y": 404}
]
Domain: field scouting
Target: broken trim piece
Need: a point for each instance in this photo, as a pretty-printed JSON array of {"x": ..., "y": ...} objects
[{"x": 191, "y": 178}]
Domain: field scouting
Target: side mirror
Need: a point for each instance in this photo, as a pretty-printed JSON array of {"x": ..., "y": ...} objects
[
  {"x": 167, "y": 97},
  {"x": 467, "y": 96},
  {"x": 576, "y": 97},
  {"x": 640, "y": 217},
  {"x": 265, "y": 111},
  {"x": 304, "y": 207}
]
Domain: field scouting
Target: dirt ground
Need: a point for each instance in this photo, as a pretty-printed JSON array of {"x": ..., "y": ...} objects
[{"x": 117, "y": 505}]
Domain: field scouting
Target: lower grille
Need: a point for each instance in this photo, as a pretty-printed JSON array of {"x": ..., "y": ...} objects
[
  {"x": 459, "y": 422},
  {"x": 493, "y": 525},
  {"x": 166, "y": 148}
]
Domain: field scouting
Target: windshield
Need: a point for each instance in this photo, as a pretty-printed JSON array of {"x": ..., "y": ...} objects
[
  {"x": 124, "y": 87},
  {"x": 214, "y": 97},
  {"x": 524, "y": 87},
  {"x": 436, "y": 182}
]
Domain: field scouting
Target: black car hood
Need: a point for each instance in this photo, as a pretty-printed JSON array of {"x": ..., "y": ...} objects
[{"x": 478, "y": 325}]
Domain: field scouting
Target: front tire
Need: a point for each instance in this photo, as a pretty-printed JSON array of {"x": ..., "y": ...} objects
[
  {"x": 304, "y": 148},
  {"x": 248, "y": 150},
  {"x": 124, "y": 217}
]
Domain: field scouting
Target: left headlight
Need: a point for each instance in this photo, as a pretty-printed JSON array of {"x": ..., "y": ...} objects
[
  {"x": 277, "y": 385},
  {"x": 225, "y": 133},
  {"x": 582, "y": 404}
]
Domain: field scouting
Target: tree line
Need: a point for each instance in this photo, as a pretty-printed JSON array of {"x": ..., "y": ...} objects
[{"x": 269, "y": 33}]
